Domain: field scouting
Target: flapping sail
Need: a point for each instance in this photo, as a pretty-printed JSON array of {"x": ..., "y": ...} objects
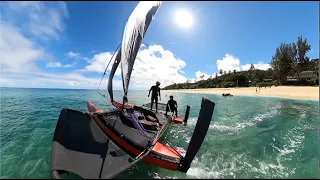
[{"x": 133, "y": 35}]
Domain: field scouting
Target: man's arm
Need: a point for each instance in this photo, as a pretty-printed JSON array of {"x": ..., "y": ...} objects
[{"x": 150, "y": 91}]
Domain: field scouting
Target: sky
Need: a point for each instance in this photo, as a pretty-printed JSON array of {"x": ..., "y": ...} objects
[{"x": 69, "y": 44}]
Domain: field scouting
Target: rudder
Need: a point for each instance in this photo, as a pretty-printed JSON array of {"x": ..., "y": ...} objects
[{"x": 200, "y": 131}]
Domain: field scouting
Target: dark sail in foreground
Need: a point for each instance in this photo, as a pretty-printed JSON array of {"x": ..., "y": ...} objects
[
  {"x": 79, "y": 146},
  {"x": 102, "y": 144}
]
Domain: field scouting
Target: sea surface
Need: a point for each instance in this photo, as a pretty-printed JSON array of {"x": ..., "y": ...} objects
[{"x": 249, "y": 137}]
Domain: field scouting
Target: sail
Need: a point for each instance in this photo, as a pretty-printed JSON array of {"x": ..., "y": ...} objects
[
  {"x": 80, "y": 146},
  {"x": 112, "y": 72},
  {"x": 133, "y": 35}
]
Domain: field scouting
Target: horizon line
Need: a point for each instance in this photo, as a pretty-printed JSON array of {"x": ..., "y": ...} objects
[{"x": 58, "y": 88}]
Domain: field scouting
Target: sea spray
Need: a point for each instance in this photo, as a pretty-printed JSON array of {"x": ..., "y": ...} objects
[{"x": 248, "y": 137}]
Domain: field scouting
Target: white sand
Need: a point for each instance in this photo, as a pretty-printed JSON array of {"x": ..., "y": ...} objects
[{"x": 291, "y": 92}]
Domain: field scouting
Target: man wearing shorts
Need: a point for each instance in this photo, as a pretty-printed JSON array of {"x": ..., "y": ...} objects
[{"x": 154, "y": 95}]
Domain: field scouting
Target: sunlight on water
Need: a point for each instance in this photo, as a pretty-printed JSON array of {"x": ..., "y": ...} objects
[{"x": 247, "y": 138}]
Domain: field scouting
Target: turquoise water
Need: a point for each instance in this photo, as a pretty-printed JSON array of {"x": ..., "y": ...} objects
[{"x": 248, "y": 137}]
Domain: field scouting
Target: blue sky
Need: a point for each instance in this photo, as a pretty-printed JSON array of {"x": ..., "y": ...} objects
[{"x": 68, "y": 44}]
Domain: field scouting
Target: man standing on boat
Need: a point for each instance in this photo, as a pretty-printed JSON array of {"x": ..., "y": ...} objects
[{"x": 154, "y": 95}]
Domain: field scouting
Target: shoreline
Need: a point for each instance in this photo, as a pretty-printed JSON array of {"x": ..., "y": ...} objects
[{"x": 289, "y": 92}]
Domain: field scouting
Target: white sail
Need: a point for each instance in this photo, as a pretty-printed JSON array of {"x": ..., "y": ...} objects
[{"x": 133, "y": 35}]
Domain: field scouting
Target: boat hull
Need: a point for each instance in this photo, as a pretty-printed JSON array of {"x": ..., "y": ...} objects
[
  {"x": 161, "y": 155},
  {"x": 162, "y": 109}
]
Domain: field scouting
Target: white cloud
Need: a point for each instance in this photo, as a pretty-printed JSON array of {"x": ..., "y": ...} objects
[
  {"x": 25, "y": 22},
  {"x": 99, "y": 63},
  {"x": 58, "y": 64},
  {"x": 69, "y": 65},
  {"x": 51, "y": 80},
  {"x": 20, "y": 51},
  {"x": 17, "y": 53},
  {"x": 230, "y": 63},
  {"x": 73, "y": 55},
  {"x": 260, "y": 65},
  {"x": 153, "y": 63},
  {"x": 201, "y": 76},
  {"x": 43, "y": 20},
  {"x": 53, "y": 64}
]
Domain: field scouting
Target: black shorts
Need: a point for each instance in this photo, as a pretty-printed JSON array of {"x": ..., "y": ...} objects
[
  {"x": 154, "y": 98},
  {"x": 171, "y": 108}
]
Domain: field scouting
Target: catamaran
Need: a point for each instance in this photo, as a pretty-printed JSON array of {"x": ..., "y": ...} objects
[{"x": 103, "y": 144}]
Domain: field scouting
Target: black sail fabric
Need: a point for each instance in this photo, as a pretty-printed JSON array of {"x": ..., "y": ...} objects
[{"x": 80, "y": 147}]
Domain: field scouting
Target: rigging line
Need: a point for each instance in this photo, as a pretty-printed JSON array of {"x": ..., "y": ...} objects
[
  {"x": 137, "y": 157},
  {"x": 170, "y": 145},
  {"x": 108, "y": 65},
  {"x": 175, "y": 151},
  {"x": 145, "y": 44},
  {"x": 103, "y": 95}
]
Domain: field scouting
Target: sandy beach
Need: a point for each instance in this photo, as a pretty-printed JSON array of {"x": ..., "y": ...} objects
[{"x": 291, "y": 92}]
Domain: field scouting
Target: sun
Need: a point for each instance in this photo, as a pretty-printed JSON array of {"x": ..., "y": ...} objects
[{"x": 184, "y": 19}]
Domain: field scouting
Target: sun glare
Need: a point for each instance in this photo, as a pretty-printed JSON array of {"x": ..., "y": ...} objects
[{"x": 184, "y": 19}]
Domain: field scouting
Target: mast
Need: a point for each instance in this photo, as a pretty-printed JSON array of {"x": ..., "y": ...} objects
[
  {"x": 133, "y": 35},
  {"x": 112, "y": 72}
]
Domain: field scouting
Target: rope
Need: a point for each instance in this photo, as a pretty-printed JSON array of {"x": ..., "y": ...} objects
[{"x": 137, "y": 124}]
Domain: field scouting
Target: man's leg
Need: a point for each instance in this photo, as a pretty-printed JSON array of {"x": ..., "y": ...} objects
[
  {"x": 167, "y": 109},
  {"x": 176, "y": 110},
  {"x": 151, "y": 102},
  {"x": 156, "y": 99}
]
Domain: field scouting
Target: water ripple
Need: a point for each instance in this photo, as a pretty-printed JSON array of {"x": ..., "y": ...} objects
[{"x": 247, "y": 138}]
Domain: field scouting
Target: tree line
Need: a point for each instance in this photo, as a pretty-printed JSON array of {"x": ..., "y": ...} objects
[{"x": 290, "y": 65}]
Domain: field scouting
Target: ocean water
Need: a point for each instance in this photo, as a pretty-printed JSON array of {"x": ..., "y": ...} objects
[{"x": 249, "y": 137}]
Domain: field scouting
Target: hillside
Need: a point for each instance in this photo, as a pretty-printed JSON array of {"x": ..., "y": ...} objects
[{"x": 290, "y": 66}]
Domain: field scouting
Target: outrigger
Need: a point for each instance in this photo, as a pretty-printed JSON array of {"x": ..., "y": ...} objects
[{"x": 103, "y": 144}]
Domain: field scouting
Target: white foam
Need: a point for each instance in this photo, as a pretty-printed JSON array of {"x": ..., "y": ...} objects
[
  {"x": 234, "y": 128},
  {"x": 273, "y": 112},
  {"x": 220, "y": 166}
]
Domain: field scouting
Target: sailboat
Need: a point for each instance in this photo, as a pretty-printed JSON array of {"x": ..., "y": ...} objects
[{"x": 102, "y": 144}]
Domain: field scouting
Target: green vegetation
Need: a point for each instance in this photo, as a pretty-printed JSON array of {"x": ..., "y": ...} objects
[{"x": 290, "y": 66}]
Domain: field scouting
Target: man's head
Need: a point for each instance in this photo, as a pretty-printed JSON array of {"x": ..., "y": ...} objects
[
  {"x": 158, "y": 83},
  {"x": 171, "y": 97}
]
